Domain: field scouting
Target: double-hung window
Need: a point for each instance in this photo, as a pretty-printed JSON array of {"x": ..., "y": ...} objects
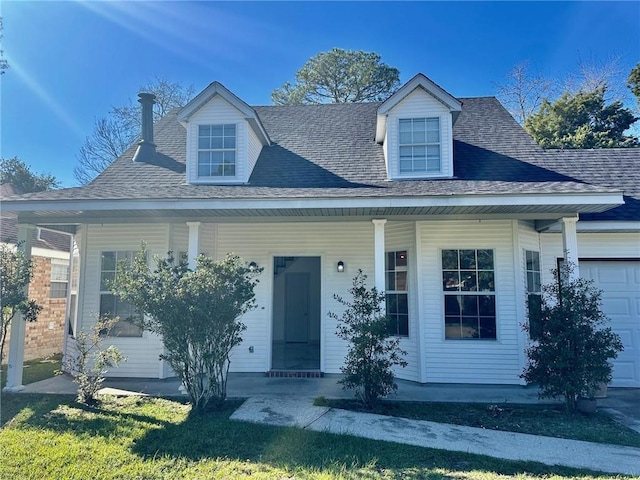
[
  {"x": 217, "y": 150},
  {"x": 112, "y": 306},
  {"x": 396, "y": 293},
  {"x": 419, "y": 145},
  {"x": 59, "y": 279},
  {"x": 534, "y": 292},
  {"x": 468, "y": 283}
]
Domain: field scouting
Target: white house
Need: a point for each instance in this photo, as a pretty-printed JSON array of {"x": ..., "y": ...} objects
[{"x": 446, "y": 203}]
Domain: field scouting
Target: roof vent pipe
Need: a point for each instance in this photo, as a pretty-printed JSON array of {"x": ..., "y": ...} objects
[{"x": 146, "y": 148}]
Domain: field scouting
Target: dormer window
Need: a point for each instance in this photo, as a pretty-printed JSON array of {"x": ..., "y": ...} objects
[
  {"x": 419, "y": 145},
  {"x": 217, "y": 150}
]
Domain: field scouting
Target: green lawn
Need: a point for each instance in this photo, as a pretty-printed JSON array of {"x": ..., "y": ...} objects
[
  {"x": 47, "y": 436},
  {"x": 548, "y": 420},
  {"x": 35, "y": 370}
]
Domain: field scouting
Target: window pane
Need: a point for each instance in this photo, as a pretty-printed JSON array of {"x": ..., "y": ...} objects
[
  {"x": 468, "y": 282},
  {"x": 406, "y": 166},
  {"x": 452, "y": 305},
  {"x": 449, "y": 259},
  {"x": 204, "y": 158},
  {"x": 107, "y": 304},
  {"x": 229, "y": 170},
  {"x": 229, "y": 142},
  {"x": 470, "y": 305},
  {"x": 467, "y": 259},
  {"x": 406, "y": 152},
  {"x": 401, "y": 280},
  {"x": 487, "y": 305},
  {"x": 230, "y": 130},
  {"x": 488, "y": 327},
  {"x": 401, "y": 258},
  {"x": 216, "y": 142},
  {"x": 405, "y": 137},
  {"x": 204, "y": 142},
  {"x": 419, "y": 136},
  {"x": 105, "y": 280},
  {"x": 420, "y": 164},
  {"x": 450, "y": 281},
  {"x": 204, "y": 130},
  {"x": 452, "y": 327},
  {"x": 534, "y": 307},
  {"x": 58, "y": 290},
  {"x": 392, "y": 303},
  {"x": 419, "y": 152},
  {"x": 391, "y": 261},
  {"x": 217, "y": 130},
  {"x": 485, "y": 259},
  {"x": 108, "y": 261},
  {"x": 433, "y": 136},
  {"x": 391, "y": 281},
  {"x": 433, "y": 165},
  {"x": 403, "y": 325},
  {"x": 403, "y": 303},
  {"x": 230, "y": 157},
  {"x": 419, "y": 125},
  {"x": 433, "y": 124},
  {"x": 469, "y": 327},
  {"x": 486, "y": 280},
  {"x": 405, "y": 125}
]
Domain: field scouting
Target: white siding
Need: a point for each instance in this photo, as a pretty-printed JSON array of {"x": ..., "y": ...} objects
[
  {"x": 142, "y": 353},
  {"x": 401, "y": 236},
  {"x": 217, "y": 111},
  {"x": 350, "y": 242},
  {"x": 470, "y": 361},
  {"x": 254, "y": 147},
  {"x": 416, "y": 105},
  {"x": 178, "y": 238}
]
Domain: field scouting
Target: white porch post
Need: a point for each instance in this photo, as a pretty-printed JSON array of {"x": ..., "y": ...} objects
[
  {"x": 378, "y": 238},
  {"x": 194, "y": 243},
  {"x": 18, "y": 325},
  {"x": 570, "y": 244}
]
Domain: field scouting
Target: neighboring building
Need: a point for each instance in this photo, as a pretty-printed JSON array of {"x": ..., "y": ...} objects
[
  {"x": 49, "y": 286},
  {"x": 447, "y": 204}
]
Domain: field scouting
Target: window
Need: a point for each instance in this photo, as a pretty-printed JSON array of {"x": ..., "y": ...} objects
[
  {"x": 112, "y": 306},
  {"x": 468, "y": 282},
  {"x": 534, "y": 293},
  {"x": 217, "y": 150},
  {"x": 59, "y": 280},
  {"x": 419, "y": 143},
  {"x": 396, "y": 293}
]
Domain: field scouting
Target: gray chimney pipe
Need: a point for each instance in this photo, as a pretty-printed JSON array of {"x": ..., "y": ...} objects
[{"x": 146, "y": 148}]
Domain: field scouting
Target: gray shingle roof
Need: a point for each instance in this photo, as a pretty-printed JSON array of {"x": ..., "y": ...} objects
[
  {"x": 47, "y": 240},
  {"x": 329, "y": 151}
]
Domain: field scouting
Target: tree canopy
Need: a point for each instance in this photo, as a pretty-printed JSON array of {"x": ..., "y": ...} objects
[
  {"x": 114, "y": 133},
  {"x": 340, "y": 76},
  {"x": 17, "y": 173},
  {"x": 633, "y": 82},
  {"x": 582, "y": 120}
]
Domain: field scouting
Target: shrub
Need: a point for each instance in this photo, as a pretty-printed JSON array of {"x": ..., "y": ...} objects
[
  {"x": 373, "y": 352},
  {"x": 16, "y": 271},
  {"x": 571, "y": 354},
  {"x": 196, "y": 312},
  {"x": 91, "y": 362}
]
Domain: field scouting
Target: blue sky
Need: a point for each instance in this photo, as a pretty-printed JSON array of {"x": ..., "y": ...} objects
[{"x": 71, "y": 61}]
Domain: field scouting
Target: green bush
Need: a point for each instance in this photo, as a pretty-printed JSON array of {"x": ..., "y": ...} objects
[
  {"x": 196, "y": 312},
  {"x": 571, "y": 353},
  {"x": 373, "y": 352}
]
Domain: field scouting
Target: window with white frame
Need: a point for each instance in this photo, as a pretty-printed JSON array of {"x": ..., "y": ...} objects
[
  {"x": 468, "y": 283},
  {"x": 112, "y": 306},
  {"x": 59, "y": 279},
  {"x": 534, "y": 292},
  {"x": 419, "y": 145},
  {"x": 217, "y": 150},
  {"x": 396, "y": 289}
]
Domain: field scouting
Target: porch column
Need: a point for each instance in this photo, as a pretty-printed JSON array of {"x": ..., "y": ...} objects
[
  {"x": 194, "y": 243},
  {"x": 378, "y": 252},
  {"x": 18, "y": 325},
  {"x": 570, "y": 244}
]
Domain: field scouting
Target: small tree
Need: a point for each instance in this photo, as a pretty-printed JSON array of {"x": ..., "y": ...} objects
[
  {"x": 16, "y": 271},
  {"x": 373, "y": 352},
  {"x": 195, "y": 312},
  {"x": 91, "y": 363},
  {"x": 571, "y": 354}
]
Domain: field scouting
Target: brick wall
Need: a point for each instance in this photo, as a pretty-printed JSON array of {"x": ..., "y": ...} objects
[{"x": 43, "y": 337}]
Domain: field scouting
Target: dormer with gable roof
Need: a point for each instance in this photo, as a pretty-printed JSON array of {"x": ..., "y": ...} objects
[
  {"x": 224, "y": 137},
  {"x": 415, "y": 128}
]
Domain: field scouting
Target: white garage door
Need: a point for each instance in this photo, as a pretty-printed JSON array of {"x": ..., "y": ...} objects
[{"x": 620, "y": 284}]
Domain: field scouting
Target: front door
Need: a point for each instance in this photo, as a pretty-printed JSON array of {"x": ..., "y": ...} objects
[{"x": 296, "y": 314}]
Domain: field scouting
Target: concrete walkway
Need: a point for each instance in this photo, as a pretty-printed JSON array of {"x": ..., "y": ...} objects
[
  {"x": 289, "y": 402},
  {"x": 300, "y": 412}
]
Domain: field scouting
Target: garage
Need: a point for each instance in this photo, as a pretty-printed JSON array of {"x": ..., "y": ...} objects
[{"x": 620, "y": 284}]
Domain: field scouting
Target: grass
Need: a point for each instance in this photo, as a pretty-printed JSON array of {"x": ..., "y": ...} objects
[
  {"x": 35, "y": 370},
  {"x": 51, "y": 436},
  {"x": 548, "y": 420}
]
